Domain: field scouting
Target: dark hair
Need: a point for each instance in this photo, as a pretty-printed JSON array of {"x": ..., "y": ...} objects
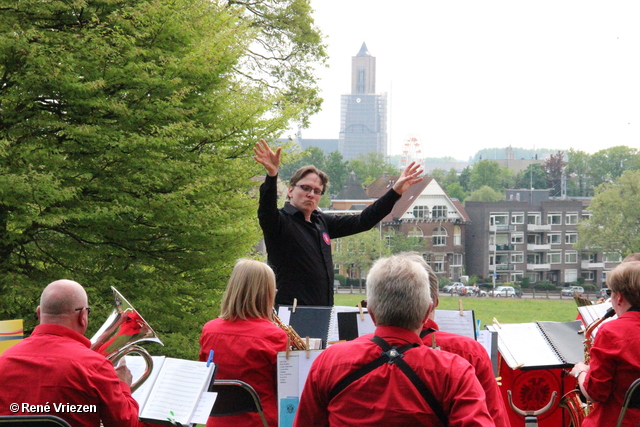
[{"x": 306, "y": 170}]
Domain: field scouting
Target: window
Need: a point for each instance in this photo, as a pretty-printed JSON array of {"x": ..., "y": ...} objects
[
  {"x": 571, "y": 218},
  {"x": 415, "y": 232},
  {"x": 554, "y": 219},
  {"x": 457, "y": 235},
  {"x": 456, "y": 259},
  {"x": 439, "y": 237},
  {"x": 517, "y": 238},
  {"x": 571, "y": 238},
  {"x": 517, "y": 258},
  {"x": 517, "y": 218},
  {"x": 499, "y": 219},
  {"x": 421, "y": 211},
  {"x": 533, "y": 218},
  {"x": 554, "y": 239},
  {"x": 438, "y": 266},
  {"x": 570, "y": 275},
  {"x": 516, "y": 276},
  {"x": 439, "y": 212},
  {"x": 570, "y": 257},
  {"x": 588, "y": 275},
  {"x": 554, "y": 257}
]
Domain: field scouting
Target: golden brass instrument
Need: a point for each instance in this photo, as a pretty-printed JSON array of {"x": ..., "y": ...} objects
[
  {"x": 123, "y": 328},
  {"x": 573, "y": 400},
  {"x": 295, "y": 341}
]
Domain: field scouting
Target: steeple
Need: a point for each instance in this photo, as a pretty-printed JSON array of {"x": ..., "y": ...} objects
[{"x": 363, "y": 50}]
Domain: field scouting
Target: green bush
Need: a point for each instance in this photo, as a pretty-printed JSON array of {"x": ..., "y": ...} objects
[
  {"x": 544, "y": 285},
  {"x": 341, "y": 278},
  {"x": 443, "y": 281},
  {"x": 526, "y": 283}
]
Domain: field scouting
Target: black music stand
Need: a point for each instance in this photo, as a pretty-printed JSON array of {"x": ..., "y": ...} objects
[{"x": 631, "y": 400}]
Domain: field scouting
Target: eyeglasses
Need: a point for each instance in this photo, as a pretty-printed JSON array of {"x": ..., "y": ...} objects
[
  {"x": 608, "y": 291},
  {"x": 308, "y": 189},
  {"x": 82, "y": 308}
]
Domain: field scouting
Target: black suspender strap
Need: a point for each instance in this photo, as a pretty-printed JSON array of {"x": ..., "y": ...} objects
[
  {"x": 426, "y": 332},
  {"x": 392, "y": 355}
]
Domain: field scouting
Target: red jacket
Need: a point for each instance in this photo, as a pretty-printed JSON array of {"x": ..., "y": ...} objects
[
  {"x": 614, "y": 365},
  {"x": 55, "y": 368},
  {"x": 474, "y": 353},
  {"x": 246, "y": 350},
  {"x": 385, "y": 396}
]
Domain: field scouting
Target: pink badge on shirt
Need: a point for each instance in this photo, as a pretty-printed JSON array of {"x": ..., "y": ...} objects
[{"x": 326, "y": 238}]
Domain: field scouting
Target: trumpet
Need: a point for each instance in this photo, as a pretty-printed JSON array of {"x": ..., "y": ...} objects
[{"x": 123, "y": 328}]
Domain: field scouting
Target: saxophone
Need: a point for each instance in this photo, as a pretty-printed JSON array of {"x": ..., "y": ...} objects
[
  {"x": 295, "y": 341},
  {"x": 572, "y": 401}
]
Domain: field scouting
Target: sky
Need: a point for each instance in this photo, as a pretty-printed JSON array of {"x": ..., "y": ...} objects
[{"x": 462, "y": 75}]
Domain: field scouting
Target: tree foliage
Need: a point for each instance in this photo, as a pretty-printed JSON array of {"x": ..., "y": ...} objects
[
  {"x": 615, "y": 222},
  {"x": 485, "y": 194},
  {"x": 126, "y": 131}
]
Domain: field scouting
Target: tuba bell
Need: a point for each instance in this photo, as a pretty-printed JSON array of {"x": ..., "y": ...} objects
[{"x": 123, "y": 328}]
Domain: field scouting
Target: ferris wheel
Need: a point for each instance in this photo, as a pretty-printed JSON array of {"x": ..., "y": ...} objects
[{"x": 412, "y": 150}]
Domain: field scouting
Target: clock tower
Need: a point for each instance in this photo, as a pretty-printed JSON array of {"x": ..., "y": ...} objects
[{"x": 363, "y": 113}]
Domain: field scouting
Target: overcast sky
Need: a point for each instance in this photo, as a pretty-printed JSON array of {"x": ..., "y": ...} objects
[{"x": 469, "y": 74}]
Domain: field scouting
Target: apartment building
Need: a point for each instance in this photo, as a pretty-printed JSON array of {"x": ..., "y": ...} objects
[{"x": 531, "y": 235}]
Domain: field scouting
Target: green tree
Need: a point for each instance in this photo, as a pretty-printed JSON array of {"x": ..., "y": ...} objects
[
  {"x": 400, "y": 242},
  {"x": 337, "y": 169},
  {"x": 533, "y": 176},
  {"x": 126, "y": 131},
  {"x": 465, "y": 179},
  {"x": 370, "y": 166},
  {"x": 485, "y": 194},
  {"x": 614, "y": 225},
  {"x": 455, "y": 191},
  {"x": 578, "y": 173},
  {"x": 486, "y": 173},
  {"x": 361, "y": 250},
  {"x": 608, "y": 164}
]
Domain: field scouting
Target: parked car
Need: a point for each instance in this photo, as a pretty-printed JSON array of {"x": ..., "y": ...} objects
[
  {"x": 453, "y": 287},
  {"x": 568, "y": 292},
  {"x": 602, "y": 293},
  {"x": 504, "y": 291}
]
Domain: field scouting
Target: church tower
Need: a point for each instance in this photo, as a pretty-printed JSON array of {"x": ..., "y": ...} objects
[{"x": 363, "y": 113}]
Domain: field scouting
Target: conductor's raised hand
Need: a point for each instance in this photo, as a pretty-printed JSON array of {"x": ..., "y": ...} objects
[
  {"x": 410, "y": 176},
  {"x": 267, "y": 158}
]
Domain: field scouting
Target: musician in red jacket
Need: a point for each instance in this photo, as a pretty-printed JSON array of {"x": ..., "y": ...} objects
[
  {"x": 53, "y": 372},
  {"x": 469, "y": 349},
  {"x": 245, "y": 341},
  {"x": 393, "y": 378},
  {"x": 614, "y": 362}
]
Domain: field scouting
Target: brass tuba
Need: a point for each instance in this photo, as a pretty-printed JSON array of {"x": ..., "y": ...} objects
[
  {"x": 573, "y": 400},
  {"x": 123, "y": 328}
]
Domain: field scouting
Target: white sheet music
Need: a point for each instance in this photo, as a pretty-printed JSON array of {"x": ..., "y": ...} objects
[
  {"x": 451, "y": 321},
  {"x": 137, "y": 366},
  {"x": 177, "y": 390},
  {"x": 524, "y": 343}
]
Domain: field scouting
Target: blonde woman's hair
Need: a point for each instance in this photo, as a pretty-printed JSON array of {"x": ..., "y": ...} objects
[
  {"x": 625, "y": 279},
  {"x": 250, "y": 293}
]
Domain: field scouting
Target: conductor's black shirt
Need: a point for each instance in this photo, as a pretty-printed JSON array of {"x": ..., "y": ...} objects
[{"x": 300, "y": 252}]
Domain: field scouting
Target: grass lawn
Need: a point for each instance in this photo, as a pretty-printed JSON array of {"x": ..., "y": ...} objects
[{"x": 505, "y": 310}]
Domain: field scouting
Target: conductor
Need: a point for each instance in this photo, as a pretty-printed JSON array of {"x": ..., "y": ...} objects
[{"x": 298, "y": 236}]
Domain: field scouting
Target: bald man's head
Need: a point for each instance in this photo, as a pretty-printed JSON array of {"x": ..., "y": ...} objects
[{"x": 58, "y": 304}]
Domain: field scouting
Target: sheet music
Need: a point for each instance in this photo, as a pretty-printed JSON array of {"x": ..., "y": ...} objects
[
  {"x": 451, "y": 321},
  {"x": 524, "y": 344},
  {"x": 137, "y": 366},
  {"x": 334, "y": 335},
  {"x": 591, "y": 313},
  {"x": 203, "y": 410},
  {"x": 292, "y": 374},
  {"x": 177, "y": 389}
]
